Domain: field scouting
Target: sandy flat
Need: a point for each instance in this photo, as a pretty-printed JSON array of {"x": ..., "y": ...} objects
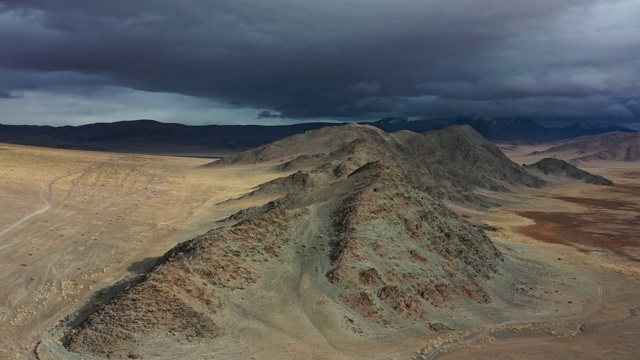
[{"x": 73, "y": 223}]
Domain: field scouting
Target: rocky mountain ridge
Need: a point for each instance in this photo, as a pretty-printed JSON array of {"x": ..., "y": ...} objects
[{"x": 358, "y": 233}]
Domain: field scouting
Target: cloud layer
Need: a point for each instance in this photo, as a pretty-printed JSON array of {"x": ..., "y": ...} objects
[{"x": 337, "y": 59}]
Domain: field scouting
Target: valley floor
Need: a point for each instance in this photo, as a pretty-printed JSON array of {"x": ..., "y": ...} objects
[{"x": 590, "y": 231}]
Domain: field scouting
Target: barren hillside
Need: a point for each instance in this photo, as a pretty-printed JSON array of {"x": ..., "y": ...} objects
[
  {"x": 356, "y": 243},
  {"x": 561, "y": 168}
]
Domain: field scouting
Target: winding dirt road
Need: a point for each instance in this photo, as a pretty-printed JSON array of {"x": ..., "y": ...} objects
[
  {"x": 46, "y": 194},
  {"x": 47, "y": 206}
]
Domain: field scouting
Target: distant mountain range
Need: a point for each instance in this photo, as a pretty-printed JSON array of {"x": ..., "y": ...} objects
[
  {"x": 156, "y": 137},
  {"x": 150, "y": 136},
  {"x": 507, "y": 129}
]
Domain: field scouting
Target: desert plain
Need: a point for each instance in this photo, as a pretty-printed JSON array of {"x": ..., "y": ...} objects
[{"x": 76, "y": 226}]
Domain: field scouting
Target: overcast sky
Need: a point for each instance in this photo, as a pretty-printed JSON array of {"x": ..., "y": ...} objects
[{"x": 281, "y": 61}]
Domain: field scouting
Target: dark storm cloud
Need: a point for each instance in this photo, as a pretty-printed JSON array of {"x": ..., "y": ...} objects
[
  {"x": 8, "y": 95},
  {"x": 266, "y": 114},
  {"x": 337, "y": 59}
]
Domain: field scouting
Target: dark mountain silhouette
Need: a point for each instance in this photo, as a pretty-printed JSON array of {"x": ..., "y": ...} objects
[
  {"x": 152, "y": 136},
  {"x": 586, "y": 129},
  {"x": 506, "y": 129},
  {"x": 155, "y": 137}
]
